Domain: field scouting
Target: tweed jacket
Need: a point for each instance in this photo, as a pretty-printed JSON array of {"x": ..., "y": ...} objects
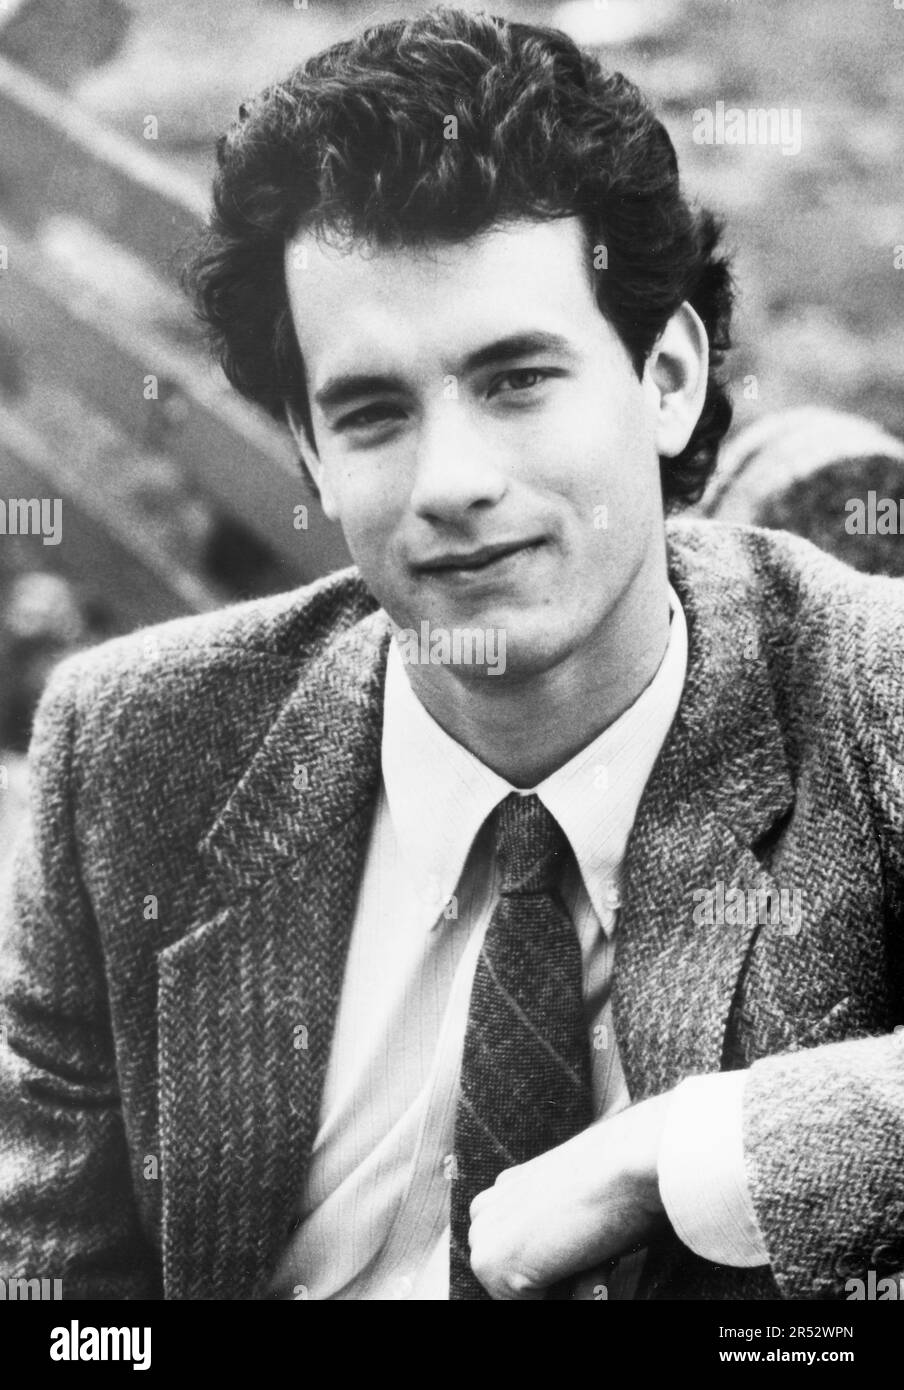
[{"x": 174, "y": 934}]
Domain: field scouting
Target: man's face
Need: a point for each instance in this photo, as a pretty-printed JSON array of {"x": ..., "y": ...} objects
[{"x": 480, "y": 434}]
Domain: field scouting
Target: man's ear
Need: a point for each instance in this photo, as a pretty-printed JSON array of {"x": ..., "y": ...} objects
[
  {"x": 676, "y": 374},
  {"x": 310, "y": 459}
]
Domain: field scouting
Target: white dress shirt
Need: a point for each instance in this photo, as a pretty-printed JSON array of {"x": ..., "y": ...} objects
[{"x": 375, "y": 1204}]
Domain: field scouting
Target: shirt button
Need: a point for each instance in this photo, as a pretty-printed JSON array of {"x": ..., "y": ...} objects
[{"x": 402, "y": 1286}]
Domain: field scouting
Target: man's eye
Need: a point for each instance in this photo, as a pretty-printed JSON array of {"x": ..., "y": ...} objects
[
  {"x": 521, "y": 379},
  {"x": 368, "y": 415}
]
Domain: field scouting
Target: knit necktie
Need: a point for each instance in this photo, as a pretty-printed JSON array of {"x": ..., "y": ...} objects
[{"x": 525, "y": 1073}]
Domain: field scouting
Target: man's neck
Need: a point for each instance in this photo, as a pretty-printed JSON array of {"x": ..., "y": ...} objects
[{"x": 524, "y": 728}]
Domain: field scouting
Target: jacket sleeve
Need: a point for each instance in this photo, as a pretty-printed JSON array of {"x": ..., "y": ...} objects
[
  {"x": 66, "y": 1204},
  {"x": 824, "y": 1145},
  {"x": 824, "y": 1128}
]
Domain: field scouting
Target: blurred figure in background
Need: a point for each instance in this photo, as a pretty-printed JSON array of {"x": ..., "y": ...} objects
[{"x": 41, "y": 623}]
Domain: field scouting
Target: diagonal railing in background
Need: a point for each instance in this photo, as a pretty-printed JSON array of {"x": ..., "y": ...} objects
[
  {"x": 57, "y": 162},
  {"x": 54, "y": 157}
]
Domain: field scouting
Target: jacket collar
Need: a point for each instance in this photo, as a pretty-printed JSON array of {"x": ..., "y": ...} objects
[
  {"x": 319, "y": 762},
  {"x": 720, "y": 785}
]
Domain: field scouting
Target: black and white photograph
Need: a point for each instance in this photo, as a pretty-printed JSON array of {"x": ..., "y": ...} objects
[{"x": 452, "y": 663}]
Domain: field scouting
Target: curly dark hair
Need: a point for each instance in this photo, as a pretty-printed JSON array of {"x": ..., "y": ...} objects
[{"x": 356, "y": 140}]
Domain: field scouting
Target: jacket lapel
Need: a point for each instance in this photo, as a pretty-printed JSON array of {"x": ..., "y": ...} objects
[
  {"x": 247, "y": 998},
  {"x": 720, "y": 784}
]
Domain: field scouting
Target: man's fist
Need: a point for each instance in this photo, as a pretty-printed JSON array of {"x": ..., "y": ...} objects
[{"x": 570, "y": 1209}]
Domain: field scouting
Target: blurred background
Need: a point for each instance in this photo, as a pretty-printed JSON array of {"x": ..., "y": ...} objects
[{"x": 176, "y": 498}]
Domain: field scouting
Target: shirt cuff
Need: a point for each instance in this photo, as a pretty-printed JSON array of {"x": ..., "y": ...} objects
[{"x": 702, "y": 1180}]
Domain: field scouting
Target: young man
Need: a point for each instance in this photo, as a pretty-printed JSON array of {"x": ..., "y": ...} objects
[{"x": 520, "y": 914}]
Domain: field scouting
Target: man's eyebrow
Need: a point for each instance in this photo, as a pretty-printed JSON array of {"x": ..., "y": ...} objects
[
  {"x": 517, "y": 345},
  {"x": 339, "y": 390}
]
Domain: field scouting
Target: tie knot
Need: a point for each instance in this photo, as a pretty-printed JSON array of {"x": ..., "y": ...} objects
[{"x": 530, "y": 846}]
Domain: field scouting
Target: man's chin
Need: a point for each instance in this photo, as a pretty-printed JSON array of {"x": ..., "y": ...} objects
[{"x": 494, "y": 650}]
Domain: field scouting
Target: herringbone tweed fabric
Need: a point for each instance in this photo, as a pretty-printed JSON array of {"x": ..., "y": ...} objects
[
  {"x": 171, "y": 953},
  {"x": 525, "y": 1072}
]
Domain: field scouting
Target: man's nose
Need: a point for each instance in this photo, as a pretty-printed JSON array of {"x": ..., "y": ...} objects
[{"x": 456, "y": 467}]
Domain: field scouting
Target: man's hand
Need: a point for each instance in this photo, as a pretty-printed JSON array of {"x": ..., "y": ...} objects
[{"x": 569, "y": 1209}]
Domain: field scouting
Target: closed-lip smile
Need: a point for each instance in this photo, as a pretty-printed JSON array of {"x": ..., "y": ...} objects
[{"x": 475, "y": 559}]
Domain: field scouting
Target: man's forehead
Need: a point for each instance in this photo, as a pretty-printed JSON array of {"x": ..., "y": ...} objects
[
  {"x": 507, "y": 280},
  {"x": 504, "y": 249}
]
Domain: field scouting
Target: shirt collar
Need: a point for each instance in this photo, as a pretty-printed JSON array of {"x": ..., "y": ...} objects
[{"x": 439, "y": 794}]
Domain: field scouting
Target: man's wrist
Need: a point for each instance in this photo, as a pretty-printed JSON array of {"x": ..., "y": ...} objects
[{"x": 644, "y": 1127}]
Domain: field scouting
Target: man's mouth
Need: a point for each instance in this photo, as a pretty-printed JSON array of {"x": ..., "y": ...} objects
[{"x": 480, "y": 558}]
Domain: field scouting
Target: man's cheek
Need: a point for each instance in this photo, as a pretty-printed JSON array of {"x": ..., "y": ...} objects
[{"x": 369, "y": 538}]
